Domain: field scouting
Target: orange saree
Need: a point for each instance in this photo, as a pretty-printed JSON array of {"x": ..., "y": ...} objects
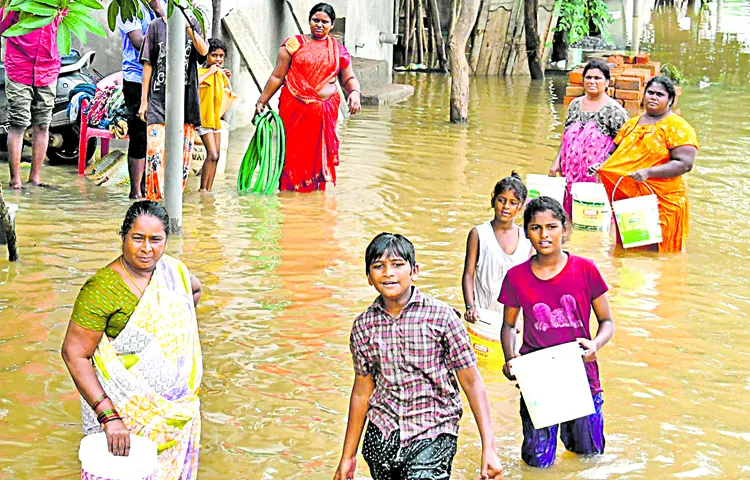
[
  {"x": 645, "y": 146},
  {"x": 312, "y": 146}
]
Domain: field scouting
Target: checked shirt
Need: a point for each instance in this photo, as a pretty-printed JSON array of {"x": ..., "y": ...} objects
[{"x": 412, "y": 359}]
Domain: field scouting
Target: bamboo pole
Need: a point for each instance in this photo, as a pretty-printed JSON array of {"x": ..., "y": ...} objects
[
  {"x": 420, "y": 32},
  {"x": 407, "y": 30},
  {"x": 413, "y": 31},
  {"x": 9, "y": 229},
  {"x": 430, "y": 42},
  {"x": 437, "y": 30}
]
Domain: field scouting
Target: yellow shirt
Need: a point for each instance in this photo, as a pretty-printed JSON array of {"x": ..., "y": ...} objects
[{"x": 212, "y": 91}]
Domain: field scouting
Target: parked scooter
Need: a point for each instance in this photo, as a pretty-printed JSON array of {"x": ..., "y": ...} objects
[{"x": 64, "y": 134}]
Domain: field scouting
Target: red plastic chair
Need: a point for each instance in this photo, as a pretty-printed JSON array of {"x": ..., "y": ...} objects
[{"x": 87, "y": 132}]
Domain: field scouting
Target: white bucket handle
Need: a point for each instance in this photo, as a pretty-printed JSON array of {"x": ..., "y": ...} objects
[
  {"x": 583, "y": 353},
  {"x": 617, "y": 184}
]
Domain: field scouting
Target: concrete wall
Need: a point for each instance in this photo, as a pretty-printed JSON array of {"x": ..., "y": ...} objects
[{"x": 363, "y": 21}]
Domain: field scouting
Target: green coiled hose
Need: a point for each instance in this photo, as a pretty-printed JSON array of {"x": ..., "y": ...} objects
[{"x": 264, "y": 159}]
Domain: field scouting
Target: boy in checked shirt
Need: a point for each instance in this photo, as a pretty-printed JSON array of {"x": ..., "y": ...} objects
[{"x": 408, "y": 350}]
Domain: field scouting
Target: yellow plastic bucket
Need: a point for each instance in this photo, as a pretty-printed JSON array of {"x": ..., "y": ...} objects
[
  {"x": 591, "y": 210},
  {"x": 637, "y": 218},
  {"x": 485, "y": 339}
]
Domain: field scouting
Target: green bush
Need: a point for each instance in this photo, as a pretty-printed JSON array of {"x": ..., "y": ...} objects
[
  {"x": 77, "y": 19},
  {"x": 577, "y": 17}
]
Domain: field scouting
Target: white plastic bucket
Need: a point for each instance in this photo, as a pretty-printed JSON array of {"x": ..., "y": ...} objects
[
  {"x": 637, "y": 218},
  {"x": 554, "y": 384},
  {"x": 591, "y": 210},
  {"x": 544, "y": 185},
  {"x": 98, "y": 464},
  {"x": 485, "y": 339}
]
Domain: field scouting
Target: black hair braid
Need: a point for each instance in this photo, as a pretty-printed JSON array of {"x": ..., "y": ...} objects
[{"x": 144, "y": 207}]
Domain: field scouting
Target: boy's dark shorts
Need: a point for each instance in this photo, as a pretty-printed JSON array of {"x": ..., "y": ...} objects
[
  {"x": 420, "y": 460},
  {"x": 136, "y": 127}
]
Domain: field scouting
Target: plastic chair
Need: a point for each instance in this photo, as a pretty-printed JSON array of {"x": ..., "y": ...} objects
[{"x": 87, "y": 132}]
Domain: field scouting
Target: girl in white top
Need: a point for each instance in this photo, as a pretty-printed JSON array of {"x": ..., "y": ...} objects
[{"x": 494, "y": 247}]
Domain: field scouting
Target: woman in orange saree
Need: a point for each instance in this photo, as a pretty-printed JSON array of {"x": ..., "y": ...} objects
[
  {"x": 307, "y": 67},
  {"x": 655, "y": 149}
]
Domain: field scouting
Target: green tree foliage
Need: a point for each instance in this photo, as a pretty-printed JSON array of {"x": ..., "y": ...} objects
[
  {"x": 76, "y": 16},
  {"x": 581, "y": 17}
]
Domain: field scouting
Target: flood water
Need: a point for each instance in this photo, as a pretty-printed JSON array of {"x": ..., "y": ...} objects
[{"x": 283, "y": 279}]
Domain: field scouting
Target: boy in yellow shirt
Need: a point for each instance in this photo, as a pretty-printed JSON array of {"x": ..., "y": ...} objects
[{"x": 215, "y": 90}]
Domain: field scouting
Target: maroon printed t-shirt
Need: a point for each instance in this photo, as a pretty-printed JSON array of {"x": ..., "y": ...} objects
[{"x": 557, "y": 310}]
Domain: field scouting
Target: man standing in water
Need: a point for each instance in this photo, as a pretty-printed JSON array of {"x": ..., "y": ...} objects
[
  {"x": 133, "y": 32},
  {"x": 32, "y": 65}
]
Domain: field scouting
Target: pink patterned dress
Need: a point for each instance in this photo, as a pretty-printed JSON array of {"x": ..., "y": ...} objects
[{"x": 587, "y": 140}]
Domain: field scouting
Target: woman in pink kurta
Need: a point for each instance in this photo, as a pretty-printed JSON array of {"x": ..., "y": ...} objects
[{"x": 590, "y": 128}]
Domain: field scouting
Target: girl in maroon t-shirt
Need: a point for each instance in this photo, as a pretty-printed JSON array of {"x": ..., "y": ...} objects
[{"x": 556, "y": 291}]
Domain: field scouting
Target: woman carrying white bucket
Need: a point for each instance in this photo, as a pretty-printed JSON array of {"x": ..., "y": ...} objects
[
  {"x": 556, "y": 291},
  {"x": 133, "y": 350},
  {"x": 654, "y": 152},
  {"x": 494, "y": 247},
  {"x": 591, "y": 124}
]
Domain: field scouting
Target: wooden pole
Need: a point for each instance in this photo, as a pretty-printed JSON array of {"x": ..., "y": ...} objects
[
  {"x": 437, "y": 31},
  {"x": 532, "y": 38},
  {"x": 430, "y": 42},
  {"x": 420, "y": 32},
  {"x": 413, "y": 31},
  {"x": 407, "y": 30},
  {"x": 9, "y": 229}
]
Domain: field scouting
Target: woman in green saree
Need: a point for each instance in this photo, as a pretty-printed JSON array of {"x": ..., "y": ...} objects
[{"x": 132, "y": 347}]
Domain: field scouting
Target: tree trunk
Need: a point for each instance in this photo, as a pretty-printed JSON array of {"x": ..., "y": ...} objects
[
  {"x": 467, "y": 17},
  {"x": 532, "y": 38},
  {"x": 216, "y": 33},
  {"x": 10, "y": 232}
]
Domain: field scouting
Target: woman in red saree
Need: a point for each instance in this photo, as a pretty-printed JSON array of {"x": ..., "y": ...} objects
[{"x": 307, "y": 67}]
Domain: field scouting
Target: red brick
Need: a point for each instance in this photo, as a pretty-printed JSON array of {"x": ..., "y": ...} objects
[
  {"x": 642, "y": 58},
  {"x": 632, "y": 107},
  {"x": 641, "y": 73},
  {"x": 616, "y": 59},
  {"x": 573, "y": 91},
  {"x": 654, "y": 68},
  {"x": 634, "y": 95},
  {"x": 630, "y": 83},
  {"x": 567, "y": 100},
  {"x": 576, "y": 77}
]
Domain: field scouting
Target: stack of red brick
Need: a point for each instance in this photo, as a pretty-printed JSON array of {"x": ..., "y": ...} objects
[{"x": 628, "y": 76}]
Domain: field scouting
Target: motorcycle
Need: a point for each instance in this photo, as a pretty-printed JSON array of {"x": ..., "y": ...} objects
[{"x": 63, "y": 148}]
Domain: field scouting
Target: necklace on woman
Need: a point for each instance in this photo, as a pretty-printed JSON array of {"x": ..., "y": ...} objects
[
  {"x": 657, "y": 118},
  {"x": 130, "y": 276}
]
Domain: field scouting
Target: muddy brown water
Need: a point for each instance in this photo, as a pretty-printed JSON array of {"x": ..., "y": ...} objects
[{"x": 283, "y": 280}]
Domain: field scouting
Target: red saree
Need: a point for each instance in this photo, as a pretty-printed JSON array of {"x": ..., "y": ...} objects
[{"x": 312, "y": 146}]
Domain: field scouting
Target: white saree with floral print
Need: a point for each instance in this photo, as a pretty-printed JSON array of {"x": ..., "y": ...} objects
[{"x": 152, "y": 372}]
